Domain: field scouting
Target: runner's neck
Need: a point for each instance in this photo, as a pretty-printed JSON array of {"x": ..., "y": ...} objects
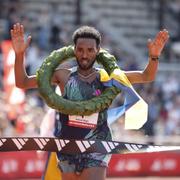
[{"x": 88, "y": 77}]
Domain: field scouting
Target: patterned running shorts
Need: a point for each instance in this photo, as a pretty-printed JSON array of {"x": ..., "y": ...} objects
[{"x": 77, "y": 163}]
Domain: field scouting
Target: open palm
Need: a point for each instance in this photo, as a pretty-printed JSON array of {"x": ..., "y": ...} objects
[
  {"x": 17, "y": 37},
  {"x": 156, "y": 46}
]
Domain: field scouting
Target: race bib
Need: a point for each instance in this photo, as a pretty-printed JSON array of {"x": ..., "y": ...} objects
[{"x": 89, "y": 122}]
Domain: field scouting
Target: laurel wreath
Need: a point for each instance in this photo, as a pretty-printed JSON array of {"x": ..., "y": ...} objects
[{"x": 57, "y": 102}]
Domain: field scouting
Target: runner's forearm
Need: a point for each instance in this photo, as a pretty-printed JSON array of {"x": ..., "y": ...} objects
[
  {"x": 151, "y": 69},
  {"x": 22, "y": 80}
]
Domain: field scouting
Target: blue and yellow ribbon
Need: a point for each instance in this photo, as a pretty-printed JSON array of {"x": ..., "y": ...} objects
[{"x": 134, "y": 107}]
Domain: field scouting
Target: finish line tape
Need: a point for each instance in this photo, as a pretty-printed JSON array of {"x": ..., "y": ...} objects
[{"x": 72, "y": 146}]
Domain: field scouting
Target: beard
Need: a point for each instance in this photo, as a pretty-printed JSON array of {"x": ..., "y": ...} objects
[{"x": 85, "y": 66}]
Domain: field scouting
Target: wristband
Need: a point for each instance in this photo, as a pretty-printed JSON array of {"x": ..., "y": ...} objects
[{"x": 154, "y": 58}]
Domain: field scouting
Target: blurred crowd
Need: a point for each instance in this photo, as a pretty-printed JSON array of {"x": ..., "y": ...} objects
[{"x": 162, "y": 96}]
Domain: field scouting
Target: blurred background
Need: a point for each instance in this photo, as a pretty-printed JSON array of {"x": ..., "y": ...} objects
[{"x": 125, "y": 25}]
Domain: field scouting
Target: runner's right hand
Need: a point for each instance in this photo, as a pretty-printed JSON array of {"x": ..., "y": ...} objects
[{"x": 17, "y": 36}]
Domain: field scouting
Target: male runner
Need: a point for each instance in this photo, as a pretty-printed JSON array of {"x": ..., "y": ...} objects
[{"x": 81, "y": 84}]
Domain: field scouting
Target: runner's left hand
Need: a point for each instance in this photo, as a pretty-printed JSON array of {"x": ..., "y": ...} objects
[{"x": 156, "y": 46}]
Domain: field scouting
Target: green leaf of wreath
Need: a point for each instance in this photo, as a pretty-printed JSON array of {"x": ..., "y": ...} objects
[{"x": 87, "y": 107}]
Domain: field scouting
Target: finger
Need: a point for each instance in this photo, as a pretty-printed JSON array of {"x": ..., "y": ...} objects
[
  {"x": 14, "y": 29},
  {"x": 12, "y": 33},
  {"x": 158, "y": 35},
  {"x": 155, "y": 40},
  {"x": 149, "y": 43},
  {"x": 22, "y": 29},
  {"x": 165, "y": 35},
  {"x": 18, "y": 28}
]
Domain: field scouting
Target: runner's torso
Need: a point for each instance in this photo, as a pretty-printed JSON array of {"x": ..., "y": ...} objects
[{"x": 78, "y": 89}]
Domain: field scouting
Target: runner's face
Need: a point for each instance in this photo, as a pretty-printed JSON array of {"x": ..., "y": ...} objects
[{"x": 86, "y": 51}]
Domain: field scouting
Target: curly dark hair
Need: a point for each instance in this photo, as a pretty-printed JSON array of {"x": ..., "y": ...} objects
[{"x": 87, "y": 32}]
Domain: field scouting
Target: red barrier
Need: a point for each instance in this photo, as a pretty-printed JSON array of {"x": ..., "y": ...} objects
[
  {"x": 15, "y": 165},
  {"x": 145, "y": 164}
]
